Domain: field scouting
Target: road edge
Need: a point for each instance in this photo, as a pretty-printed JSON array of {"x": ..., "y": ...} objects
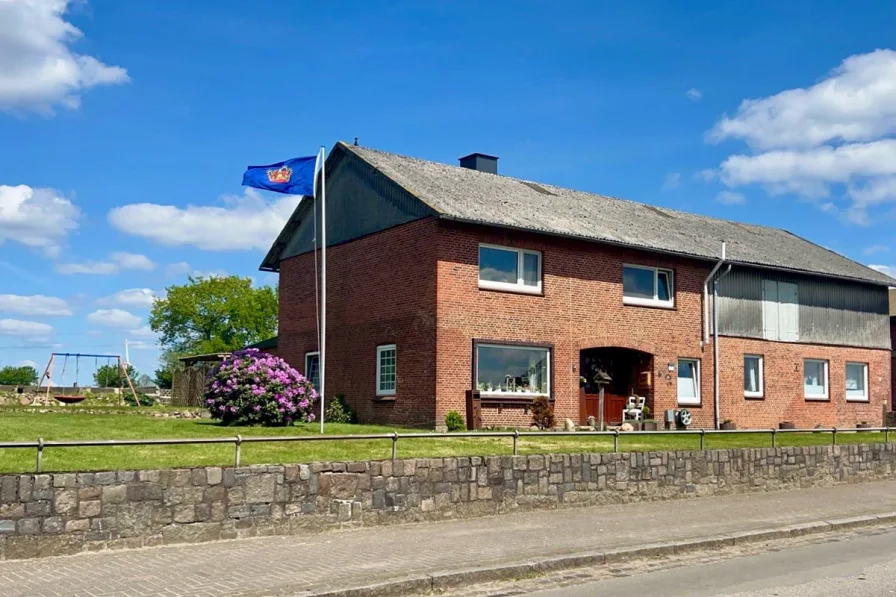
[{"x": 418, "y": 584}]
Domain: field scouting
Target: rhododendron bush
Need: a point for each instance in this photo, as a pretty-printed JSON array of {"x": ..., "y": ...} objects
[{"x": 254, "y": 388}]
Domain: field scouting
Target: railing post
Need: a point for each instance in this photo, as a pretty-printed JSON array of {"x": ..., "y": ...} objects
[
  {"x": 702, "y": 439},
  {"x": 394, "y": 445},
  {"x": 887, "y": 434},
  {"x": 236, "y": 455},
  {"x": 40, "y": 454},
  {"x": 833, "y": 436},
  {"x": 516, "y": 435},
  {"x": 774, "y": 437},
  {"x": 615, "y": 440}
]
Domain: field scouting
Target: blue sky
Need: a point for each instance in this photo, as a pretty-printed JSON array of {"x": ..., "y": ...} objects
[{"x": 126, "y": 127}]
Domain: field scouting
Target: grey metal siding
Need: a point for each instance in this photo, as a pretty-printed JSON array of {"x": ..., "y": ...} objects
[
  {"x": 360, "y": 201},
  {"x": 830, "y": 311}
]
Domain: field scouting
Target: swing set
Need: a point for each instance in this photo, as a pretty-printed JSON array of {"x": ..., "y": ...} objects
[{"x": 72, "y": 394}]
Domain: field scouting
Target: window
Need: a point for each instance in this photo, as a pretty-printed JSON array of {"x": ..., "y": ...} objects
[
  {"x": 385, "y": 370},
  {"x": 517, "y": 370},
  {"x": 688, "y": 381},
  {"x": 753, "y": 376},
  {"x": 647, "y": 286},
  {"x": 857, "y": 382},
  {"x": 312, "y": 369},
  {"x": 815, "y": 379},
  {"x": 501, "y": 268},
  {"x": 780, "y": 311}
]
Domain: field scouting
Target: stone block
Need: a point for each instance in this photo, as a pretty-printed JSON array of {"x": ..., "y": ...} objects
[
  {"x": 26, "y": 483},
  {"x": 105, "y": 478},
  {"x": 260, "y": 489},
  {"x": 15, "y": 510},
  {"x": 184, "y": 513},
  {"x": 90, "y": 493},
  {"x": 9, "y": 489},
  {"x": 127, "y": 476},
  {"x": 53, "y": 525},
  {"x": 115, "y": 494},
  {"x": 65, "y": 480},
  {"x": 28, "y": 526},
  {"x": 80, "y": 525},
  {"x": 41, "y": 508},
  {"x": 89, "y": 509},
  {"x": 7, "y": 527},
  {"x": 357, "y": 467},
  {"x": 181, "y": 478},
  {"x": 149, "y": 476},
  {"x": 199, "y": 476}
]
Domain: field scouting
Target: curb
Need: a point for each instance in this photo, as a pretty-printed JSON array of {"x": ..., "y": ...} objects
[{"x": 419, "y": 584}]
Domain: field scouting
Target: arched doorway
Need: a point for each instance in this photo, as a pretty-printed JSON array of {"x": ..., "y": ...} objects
[{"x": 630, "y": 372}]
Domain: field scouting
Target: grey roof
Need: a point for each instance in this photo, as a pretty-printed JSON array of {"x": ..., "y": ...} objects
[{"x": 478, "y": 197}]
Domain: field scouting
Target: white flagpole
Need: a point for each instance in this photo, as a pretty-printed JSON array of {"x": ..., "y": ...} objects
[{"x": 323, "y": 294}]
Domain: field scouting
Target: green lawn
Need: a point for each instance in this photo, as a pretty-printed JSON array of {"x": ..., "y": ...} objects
[{"x": 25, "y": 426}]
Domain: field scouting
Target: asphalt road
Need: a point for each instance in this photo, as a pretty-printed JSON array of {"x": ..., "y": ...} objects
[{"x": 859, "y": 566}]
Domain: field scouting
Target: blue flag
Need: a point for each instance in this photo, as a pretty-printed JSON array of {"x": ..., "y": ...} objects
[{"x": 293, "y": 177}]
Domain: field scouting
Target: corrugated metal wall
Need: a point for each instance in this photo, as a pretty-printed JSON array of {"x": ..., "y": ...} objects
[
  {"x": 830, "y": 311},
  {"x": 360, "y": 201}
]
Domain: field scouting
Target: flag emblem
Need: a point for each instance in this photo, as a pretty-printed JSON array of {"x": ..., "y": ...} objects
[{"x": 279, "y": 175}]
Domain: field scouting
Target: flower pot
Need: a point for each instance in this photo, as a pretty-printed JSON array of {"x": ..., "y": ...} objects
[
  {"x": 648, "y": 425},
  {"x": 864, "y": 426},
  {"x": 728, "y": 426},
  {"x": 787, "y": 425}
]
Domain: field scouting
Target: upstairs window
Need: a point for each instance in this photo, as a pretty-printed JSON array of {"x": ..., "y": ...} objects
[
  {"x": 647, "y": 286},
  {"x": 503, "y": 268},
  {"x": 857, "y": 382}
]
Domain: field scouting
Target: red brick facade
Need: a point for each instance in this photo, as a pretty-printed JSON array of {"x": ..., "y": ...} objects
[{"x": 416, "y": 286}]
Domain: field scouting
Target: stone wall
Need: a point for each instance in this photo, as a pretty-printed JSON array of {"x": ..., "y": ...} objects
[{"x": 63, "y": 513}]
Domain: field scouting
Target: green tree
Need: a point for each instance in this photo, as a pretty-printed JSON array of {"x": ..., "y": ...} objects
[
  {"x": 214, "y": 314},
  {"x": 168, "y": 364},
  {"x": 108, "y": 376},
  {"x": 25, "y": 375}
]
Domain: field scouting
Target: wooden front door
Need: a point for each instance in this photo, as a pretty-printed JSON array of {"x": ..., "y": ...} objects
[{"x": 613, "y": 407}]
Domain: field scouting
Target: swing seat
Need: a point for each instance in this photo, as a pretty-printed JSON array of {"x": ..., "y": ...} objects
[{"x": 69, "y": 398}]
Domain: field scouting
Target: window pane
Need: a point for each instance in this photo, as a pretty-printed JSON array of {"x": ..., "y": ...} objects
[
  {"x": 387, "y": 370},
  {"x": 498, "y": 265},
  {"x": 751, "y": 374},
  {"x": 663, "y": 287},
  {"x": 687, "y": 379},
  {"x": 813, "y": 378},
  {"x": 855, "y": 380},
  {"x": 530, "y": 269},
  {"x": 637, "y": 283},
  {"x": 512, "y": 369},
  {"x": 312, "y": 370}
]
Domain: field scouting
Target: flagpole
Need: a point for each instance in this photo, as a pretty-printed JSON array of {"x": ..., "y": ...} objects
[{"x": 323, "y": 294}]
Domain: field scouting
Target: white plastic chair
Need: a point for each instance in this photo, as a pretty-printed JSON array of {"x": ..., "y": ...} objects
[{"x": 634, "y": 408}]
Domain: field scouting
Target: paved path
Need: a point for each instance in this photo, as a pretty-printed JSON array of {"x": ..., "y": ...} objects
[
  {"x": 858, "y": 566},
  {"x": 316, "y": 563}
]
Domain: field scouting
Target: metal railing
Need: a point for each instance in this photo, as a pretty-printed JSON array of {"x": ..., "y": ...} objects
[{"x": 40, "y": 445}]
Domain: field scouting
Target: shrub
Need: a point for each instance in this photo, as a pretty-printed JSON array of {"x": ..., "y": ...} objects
[
  {"x": 542, "y": 413},
  {"x": 254, "y": 388},
  {"x": 454, "y": 422},
  {"x": 338, "y": 411},
  {"x": 142, "y": 399}
]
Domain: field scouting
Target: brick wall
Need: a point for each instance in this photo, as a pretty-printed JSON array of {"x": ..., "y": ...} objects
[
  {"x": 582, "y": 308},
  {"x": 64, "y": 513},
  {"x": 370, "y": 301}
]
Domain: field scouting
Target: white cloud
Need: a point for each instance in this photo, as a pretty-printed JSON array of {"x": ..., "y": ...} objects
[
  {"x": 132, "y": 297},
  {"x": 141, "y": 345},
  {"x": 143, "y": 332},
  {"x": 27, "y": 363},
  {"x": 94, "y": 333},
  {"x": 36, "y": 304},
  {"x": 706, "y": 175},
  {"x": 828, "y": 143},
  {"x": 693, "y": 94},
  {"x": 890, "y": 270},
  {"x": 36, "y": 218},
  {"x": 213, "y": 273},
  {"x": 177, "y": 269},
  {"x": 875, "y": 249},
  {"x": 38, "y": 70},
  {"x": 730, "y": 198},
  {"x": 115, "y": 263},
  {"x": 672, "y": 181},
  {"x": 30, "y": 329},
  {"x": 116, "y": 318},
  {"x": 246, "y": 221}
]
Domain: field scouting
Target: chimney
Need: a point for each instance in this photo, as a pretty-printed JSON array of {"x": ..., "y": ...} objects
[{"x": 481, "y": 162}]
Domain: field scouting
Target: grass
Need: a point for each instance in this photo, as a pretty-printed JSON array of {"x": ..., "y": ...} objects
[{"x": 26, "y": 426}]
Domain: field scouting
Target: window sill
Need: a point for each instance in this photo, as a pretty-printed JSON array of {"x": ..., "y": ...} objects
[
  {"x": 690, "y": 403},
  {"x": 816, "y": 398},
  {"x": 389, "y": 398},
  {"x": 864, "y": 400},
  {"x": 638, "y": 302},
  {"x": 512, "y": 288},
  {"x": 754, "y": 396}
]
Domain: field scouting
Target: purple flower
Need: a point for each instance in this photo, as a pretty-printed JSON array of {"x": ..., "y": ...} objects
[{"x": 256, "y": 408}]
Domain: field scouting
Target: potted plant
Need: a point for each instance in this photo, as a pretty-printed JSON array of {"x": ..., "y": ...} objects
[
  {"x": 728, "y": 425},
  {"x": 647, "y": 424},
  {"x": 786, "y": 425},
  {"x": 863, "y": 425}
]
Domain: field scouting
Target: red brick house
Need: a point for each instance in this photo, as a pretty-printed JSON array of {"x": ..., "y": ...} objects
[{"x": 443, "y": 279}]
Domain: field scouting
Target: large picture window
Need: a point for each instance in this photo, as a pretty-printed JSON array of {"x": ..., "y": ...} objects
[
  {"x": 688, "y": 381},
  {"x": 513, "y": 370},
  {"x": 503, "y": 268},
  {"x": 857, "y": 382},
  {"x": 647, "y": 286}
]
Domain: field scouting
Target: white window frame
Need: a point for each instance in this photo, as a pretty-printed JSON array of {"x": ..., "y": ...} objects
[
  {"x": 865, "y": 397},
  {"x": 379, "y": 351},
  {"x": 313, "y": 353},
  {"x": 688, "y": 401},
  {"x": 655, "y": 301},
  {"x": 827, "y": 381},
  {"x": 516, "y": 347},
  {"x": 519, "y": 286},
  {"x": 761, "y": 392}
]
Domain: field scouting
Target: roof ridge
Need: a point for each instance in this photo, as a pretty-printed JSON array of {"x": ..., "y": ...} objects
[{"x": 832, "y": 251}]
